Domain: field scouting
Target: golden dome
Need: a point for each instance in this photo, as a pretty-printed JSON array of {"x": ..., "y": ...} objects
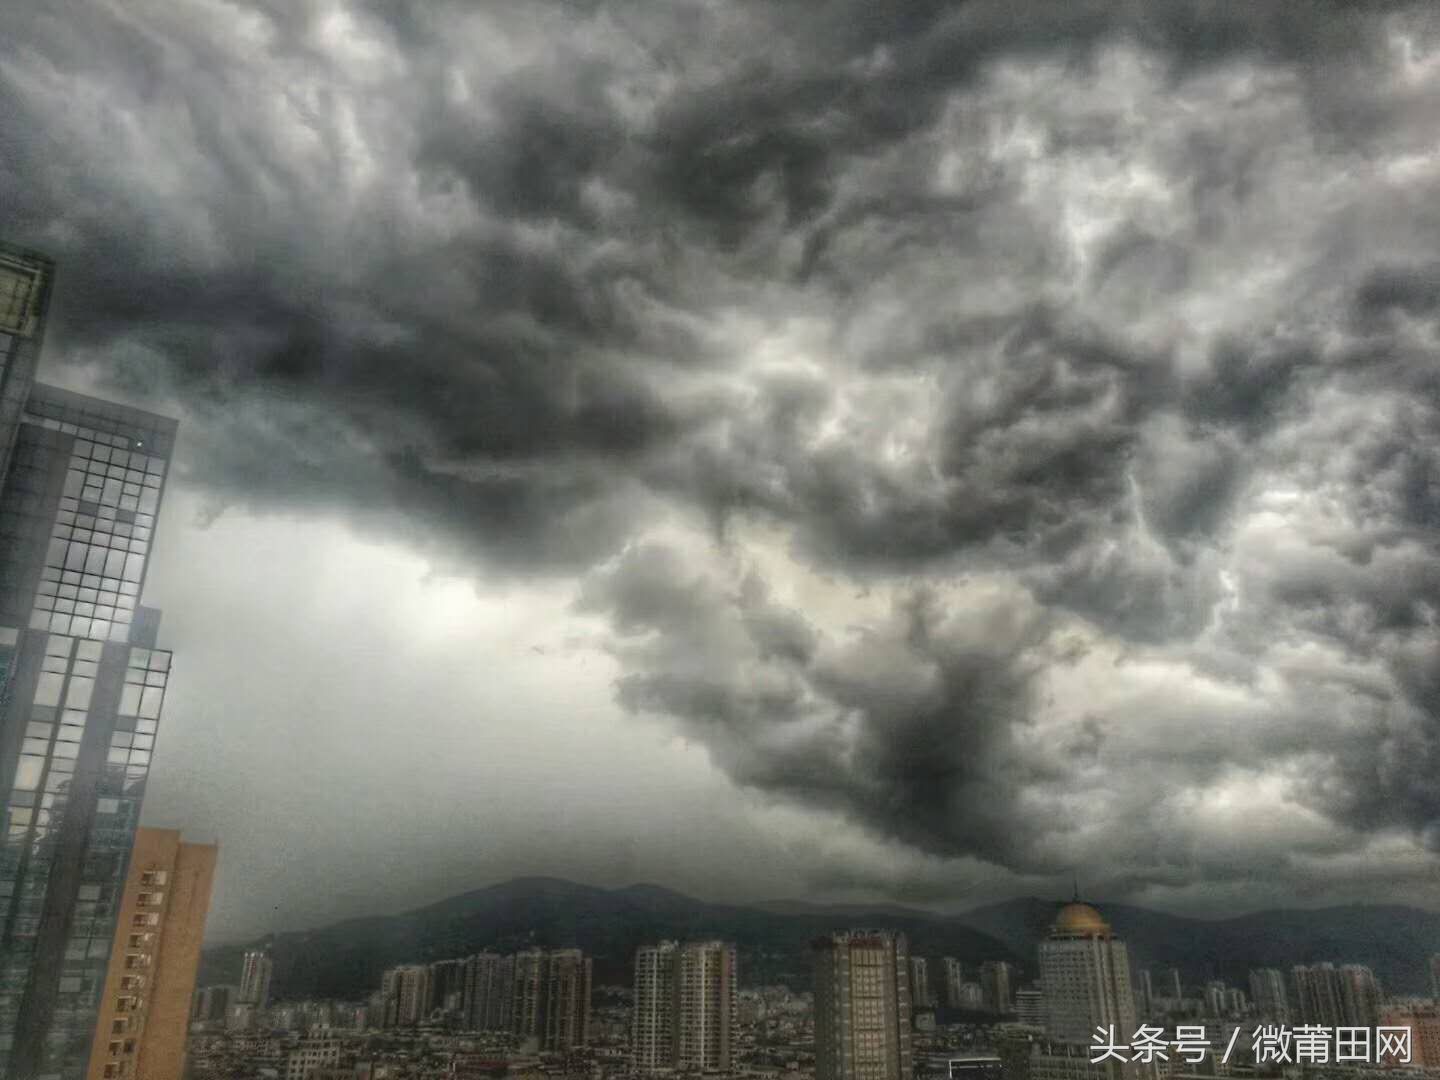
[{"x": 1079, "y": 920}]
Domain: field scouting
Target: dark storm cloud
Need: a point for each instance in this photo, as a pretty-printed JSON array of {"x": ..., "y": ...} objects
[
  {"x": 907, "y": 729},
  {"x": 1127, "y": 312}
]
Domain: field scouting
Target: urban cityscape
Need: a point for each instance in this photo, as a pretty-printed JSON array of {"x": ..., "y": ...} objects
[
  {"x": 721, "y": 540},
  {"x": 106, "y": 919},
  {"x": 872, "y": 1010}
]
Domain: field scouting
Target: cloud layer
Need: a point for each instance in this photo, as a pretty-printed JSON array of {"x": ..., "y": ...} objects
[{"x": 1016, "y": 440}]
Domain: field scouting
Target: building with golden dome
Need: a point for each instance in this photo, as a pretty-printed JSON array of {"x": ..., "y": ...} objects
[
  {"x": 1079, "y": 920},
  {"x": 1085, "y": 974}
]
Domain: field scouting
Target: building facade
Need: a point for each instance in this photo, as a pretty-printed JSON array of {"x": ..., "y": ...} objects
[
  {"x": 1267, "y": 991},
  {"x": 1424, "y": 1024},
  {"x": 1145, "y": 996},
  {"x": 528, "y": 994},
  {"x": 145, "y": 1012},
  {"x": 212, "y": 1003},
  {"x": 920, "y": 996},
  {"x": 707, "y": 996},
  {"x": 653, "y": 1010},
  {"x": 25, "y": 281},
  {"x": 1359, "y": 996},
  {"x": 489, "y": 978},
  {"x": 406, "y": 990},
  {"x": 1347, "y": 995},
  {"x": 256, "y": 971},
  {"x": 954, "y": 979},
  {"x": 81, "y": 682},
  {"x": 1174, "y": 985},
  {"x": 312, "y": 1057},
  {"x": 997, "y": 984},
  {"x": 447, "y": 987},
  {"x": 1030, "y": 1007},
  {"x": 568, "y": 975},
  {"x": 686, "y": 1007},
  {"x": 1214, "y": 997},
  {"x": 1085, "y": 977},
  {"x": 862, "y": 1007}
]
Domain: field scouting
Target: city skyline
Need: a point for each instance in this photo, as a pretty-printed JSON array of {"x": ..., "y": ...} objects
[
  {"x": 1078, "y": 957},
  {"x": 985, "y": 449},
  {"x": 858, "y": 1021}
]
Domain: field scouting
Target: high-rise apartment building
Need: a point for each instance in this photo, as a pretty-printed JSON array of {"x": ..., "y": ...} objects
[
  {"x": 447, "y": 986},
  {"x": 1424, "y": 1024},
  {"x": 489, "y": 984},
  {"x": 213, "y": 1002},
  {"x": 920, "y": 995},
  {"x": 919, "y": 983},
  {"x": 707, "y": 996},
  {"x": 1317, "y": 994},
  {"x": 1359, "y": 996},
  {"x": 653, "y": 1012},
  {"x": 1145, "y": 996},
  {"x": 145, "y": 1010},
  {"x": 1174, "y": 985},
  {"x": 567, "y": 999},
  {"x": 954, "y": 979},
  {"x": 1085, "y": 977},
  {"x": 539, "y": 995},
  {"x": 997, "y": 983},
  {"x": 405, "y": 995},
  {"x": 685, "y": 1008},
  {"x": 25, "y": 281},
  {"x": 1214, "y": 997},
  {"x": 1267, "y": 991},
  {"x": 528, "y": 994},
  {"x": 255, "y": 973},
  {"x": 82, "y": 681},
  {"x": 862, "y": 1006}
]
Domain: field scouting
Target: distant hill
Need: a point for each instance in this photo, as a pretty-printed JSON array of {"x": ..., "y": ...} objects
[
  {"x": 346, "y": 960},
  {"x": 1394, "y": 941}
]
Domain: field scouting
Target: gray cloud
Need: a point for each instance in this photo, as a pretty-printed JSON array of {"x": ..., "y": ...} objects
[{"x": 1014, "y": 437}]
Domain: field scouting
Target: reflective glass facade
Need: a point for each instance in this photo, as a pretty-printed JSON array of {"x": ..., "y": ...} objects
[
  {"x": 77, "y": 514},
  {"x": 81, "y": 688},
  {"x": 25, "y": 278}
]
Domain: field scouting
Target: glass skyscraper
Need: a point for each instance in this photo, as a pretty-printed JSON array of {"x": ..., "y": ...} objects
[
  {"x": 81, "y": 686},
  {"x": 25, "y": 278}
]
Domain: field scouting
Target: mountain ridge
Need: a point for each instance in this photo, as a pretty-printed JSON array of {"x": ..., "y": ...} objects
[{"x": 345, "y": 959}]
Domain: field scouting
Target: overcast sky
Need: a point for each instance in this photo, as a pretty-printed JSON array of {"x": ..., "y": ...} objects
[{"x": 903, "y": 450}]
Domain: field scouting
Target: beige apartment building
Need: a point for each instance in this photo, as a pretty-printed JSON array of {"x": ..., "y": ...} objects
[{"x": 150, "y": 981}]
